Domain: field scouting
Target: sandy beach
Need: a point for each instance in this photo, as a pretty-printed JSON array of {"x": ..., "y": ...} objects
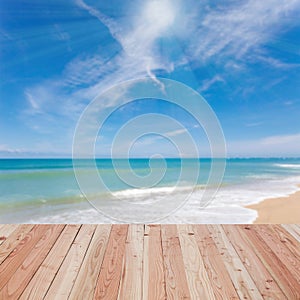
[{"x": 279, "y": 210}]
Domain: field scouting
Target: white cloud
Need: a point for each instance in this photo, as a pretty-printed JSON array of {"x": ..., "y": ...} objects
[
  {"x": 212, "y": 34},
  {"x": 87, "y": 76},
  {"x": 176, "y": 132},
  {"x": 237, "y": 28},
  {"x": 286, "y": 140},
  {"x": 209, "y": 82}
]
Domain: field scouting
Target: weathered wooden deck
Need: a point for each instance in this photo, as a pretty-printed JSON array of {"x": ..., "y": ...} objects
[{"x": 149, "y": 262}]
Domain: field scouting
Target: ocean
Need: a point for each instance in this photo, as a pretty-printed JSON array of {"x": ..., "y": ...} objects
[{"x": 46, "y": 190}]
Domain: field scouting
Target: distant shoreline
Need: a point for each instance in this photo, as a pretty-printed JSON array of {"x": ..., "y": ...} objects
[{"x": 278, "y": 210}]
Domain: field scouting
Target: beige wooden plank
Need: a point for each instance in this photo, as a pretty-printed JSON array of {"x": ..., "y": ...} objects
[
  {"x": 132, "y": 271},
  {"x": 197, "y": 278},
  {"x": 64, "y": 280},
  {"x": 287, "y": 239},
  {"x": 42, "y": 279},
  {"x": 176, "y": 281},
  {"x": 5, "y": 231},
  {"x": 279, "y": 248},
  {"x": 292, "y": 231},
  {"x": 20, "y": 252},
  {"x": 13, "y": 240},
  {"x": 276, "y": 268},
  {"x": 146, "y": 275},
  {"x": 260, "y": 275},
  {"x": 213, "y": 261},
  {"x": 90, "y": 268},
  {"x": 153, "y": 265},
  {"x": 241, "y": 279},
  {"x": 110, "y": 274},
  {"x": 19, "y": 280}
]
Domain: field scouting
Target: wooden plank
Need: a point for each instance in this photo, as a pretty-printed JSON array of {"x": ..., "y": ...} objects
[
  {"x": 13, "y": 240},
  {"x": 154, "y": 286},
  {"x": 110, "y": 274},
  {"x": 6, "y": 230},
  {"x": 197, "y": 278},
  {"x": 213, "y": 261},
  {"x": 276, "y": 268},
  {"x": 20, "y": 252},
  {"x": 292, "y": 231},
  {"x": 132, "y": 271},
  {"x": 264, "y": 281},
  {"x": 42, "y": 279},
  {"x": 19, "y": 280},
  {"x": 176, "y": 281},
  {"x": 241, "y": 279},
  {"x": 279, "y": 248},
  {"x": 287, "y": 239},
  {"x": 64, "y": 280},
  {"x": 91, "y": 265},
  {"x": 146, "y": 276}
]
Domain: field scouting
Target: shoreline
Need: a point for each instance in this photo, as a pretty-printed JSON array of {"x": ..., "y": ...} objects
[{"x": 278, "y": 210}]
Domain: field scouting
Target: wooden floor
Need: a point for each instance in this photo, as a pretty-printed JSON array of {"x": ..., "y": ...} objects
[{"x": 149, "y": 262}]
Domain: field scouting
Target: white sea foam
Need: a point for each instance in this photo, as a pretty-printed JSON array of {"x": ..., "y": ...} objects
[
  {"x": 143, "y": 192},
  {"x": 288, "y": 166},
  {"x": 228, "y": 205}
]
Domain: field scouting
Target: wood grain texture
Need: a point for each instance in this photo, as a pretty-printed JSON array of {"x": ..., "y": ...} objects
[
  {"x": 176, "y": 281},
  {"x": 6, "y": 230},
  {"x": 20, "y": 252},
  {"x": 281, "y": 251},
  {"x": 109, "y": 277},
  {"x": 13, "y": 239},
  {"x": 42, "y": 279},
  {"x": 197, "y": 278},
  {"x": 132, "y": 271},
  {"x": 241, "y": 279},
  {"x": 290, "y": 228},
  {"x": 264, "y": 281},
  {"x": 149, "y": 262},
  {"x": 64, "y": 280},
  {"x": 21, "y": 277},
  {"x": 275, "y": 267},
  {"x": 287, "y": 239},
  {"x": 83, "y": 288},
  {"x": 213, "y": 261},
  {"x": 154, "y": 286}
]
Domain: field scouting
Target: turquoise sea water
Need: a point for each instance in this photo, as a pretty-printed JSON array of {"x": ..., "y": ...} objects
[{"x": 46, "y": 190}]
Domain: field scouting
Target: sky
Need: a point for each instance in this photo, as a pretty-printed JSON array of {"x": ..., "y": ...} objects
[{"x": 243, "y": 57}]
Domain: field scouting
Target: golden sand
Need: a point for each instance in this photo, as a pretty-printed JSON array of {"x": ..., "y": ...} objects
[{"x": 278, "y": 210}]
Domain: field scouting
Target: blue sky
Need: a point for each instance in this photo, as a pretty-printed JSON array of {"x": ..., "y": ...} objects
[{"x": 243, "y": 57}]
